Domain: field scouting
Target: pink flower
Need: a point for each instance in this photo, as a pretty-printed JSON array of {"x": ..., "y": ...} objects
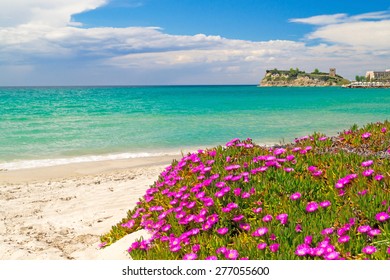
[
  {"x": 351, "y": 176},
  {"x": 232, "y": 205},
  {"x": 312, "y": 168},
  {"x": 369, "y": 250},
  {"x": 318, "y": 251},
  {"x": 282, "y": 218},
  {"x": 257, "y": 210},
  {"x": 379, "y": 177},
  {"x": 175, "y": 248},
  {"x": 308, "y": 239},
  {"x": 200, "y": 218},
  {"x": 290, "y": 157},
  {"x": 382, "y": 216},
  {"x": 220, "y": 184},
  {"x": 325, "y": 204},
  {"x": 302, "y": 250},
  {"x": 166, "y": 227},
  {"x": 363, "y": 192},
  {"x": 220, "y": 250},
  {"x": 134, "y": 245},
  {"x": 298, "y": 228},
  {"x": 366, "y": 135},
  {"x": 327, "y": 231},
  {"x": 367, "y": 172},
  {"x": 245, "y": 226},
  {"x": 260, "y": 231},
  {"x": 225, "y": 189},
  {"x": 267, "y": 218},
  {"x": 384, "y": 129},
  {"x": 194, "y": 231},
  {"x": 295, "y": 196},
  {"x": 245, "y": 195},
  {"x": 329, "y": 248},
  {"x": 262, "y": 246},
  {"x": 200, "y": 195},
  {"x": 288, "y": 169},
  {"x": 211, "y": 258},
  {"x": 232, "y": 167},
  {"x": 226, "y": 209},
  {"x": 312, "y": 206},
  {"x": 195, "y": 248},
  {"x": 206, "y": 226},
  {"x": 222, "y": 231},
  {"x": 343, "y": 230},
  {"x": 364, "y": 229},
  {"x": 190, "y": 256},
  {"x": 279, "y": 151},
  {"x": 296, "y": 149},
  {"x": 238, "y": 218},
  {"x": 344, "y": 239},
  {"x": 274, "y": 247},
  {"x": 317, "y": 173},
  {"x": 231, "y": 254},
  {"x": 367, "y": 163},
  {"x": 388, "y": 251},
  {"x": 374, "y": 232},
  {"x": 219, "y": 194},
  {"x": 332, "y": 256},
  {"x": 237, "y": 191},
  {"x": 208, "y": 201},
  {"x": 129, "y": 224}
]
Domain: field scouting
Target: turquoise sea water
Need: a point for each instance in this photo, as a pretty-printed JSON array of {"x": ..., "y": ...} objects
[{"x": 44, "y": 126}]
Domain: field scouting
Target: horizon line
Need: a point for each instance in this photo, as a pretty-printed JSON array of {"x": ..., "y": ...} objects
[{"x": 157, "y": 85}]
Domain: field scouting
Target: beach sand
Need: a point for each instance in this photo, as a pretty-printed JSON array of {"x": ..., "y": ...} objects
[{"x": 59, "y": 212}]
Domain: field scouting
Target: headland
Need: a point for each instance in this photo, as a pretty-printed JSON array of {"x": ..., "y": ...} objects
[{"x": 298, "y": 78}]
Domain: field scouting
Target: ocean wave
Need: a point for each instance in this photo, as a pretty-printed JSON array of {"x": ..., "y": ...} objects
[{"x": 28, "y": 164}]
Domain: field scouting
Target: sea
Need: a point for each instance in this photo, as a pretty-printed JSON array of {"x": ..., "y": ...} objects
[{"x": 45, "y": 126}]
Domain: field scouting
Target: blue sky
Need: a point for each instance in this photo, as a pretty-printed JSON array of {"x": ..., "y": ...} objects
[{"x": 151, "y": 42}]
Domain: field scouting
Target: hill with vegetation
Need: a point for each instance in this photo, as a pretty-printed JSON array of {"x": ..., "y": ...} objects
[{"x": 298, "y": 78}]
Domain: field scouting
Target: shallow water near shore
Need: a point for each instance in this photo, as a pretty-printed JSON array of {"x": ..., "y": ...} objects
[{"x": 49, "y": 126}]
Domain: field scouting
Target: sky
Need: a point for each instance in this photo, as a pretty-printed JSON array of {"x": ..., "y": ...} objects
[{"x": 187, "y": 42}]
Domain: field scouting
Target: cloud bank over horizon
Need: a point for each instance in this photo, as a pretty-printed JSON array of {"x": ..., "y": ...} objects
[{"x": 41, "y": 44}]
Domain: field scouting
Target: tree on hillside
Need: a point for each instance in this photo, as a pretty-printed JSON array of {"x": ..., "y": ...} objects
[
  {"x": 360, "y": 78},
  {"x": 294, "y": 73}
]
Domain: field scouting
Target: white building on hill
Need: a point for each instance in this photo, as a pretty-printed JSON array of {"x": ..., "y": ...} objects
[{"x": 378, "y": 75}]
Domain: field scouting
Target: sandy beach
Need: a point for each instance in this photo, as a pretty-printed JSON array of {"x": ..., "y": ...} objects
[{"x": 59, "y": 212}]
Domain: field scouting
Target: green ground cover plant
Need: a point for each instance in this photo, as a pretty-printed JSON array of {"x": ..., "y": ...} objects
[{"x": 317, "y": 198}]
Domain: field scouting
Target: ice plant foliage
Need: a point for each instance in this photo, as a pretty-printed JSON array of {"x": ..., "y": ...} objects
[{"x": 317, "y": 198}]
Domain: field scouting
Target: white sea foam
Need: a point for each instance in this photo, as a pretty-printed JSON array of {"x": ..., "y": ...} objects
[{"x": 27, "y": 164}]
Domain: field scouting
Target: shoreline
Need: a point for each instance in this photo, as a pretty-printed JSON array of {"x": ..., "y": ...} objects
[
  {"x": 59, "y": 212},
  {"x": 80, "y": 169}
]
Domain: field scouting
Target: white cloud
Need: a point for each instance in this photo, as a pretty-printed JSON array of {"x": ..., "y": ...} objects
[
  {"x": 369, "y": 35},
  {"x": 43, "y": 12},
  {"x": 322, "y": 19},
  {"x": 341, "y": 18},
  {"x": 365, "y": 32}
]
